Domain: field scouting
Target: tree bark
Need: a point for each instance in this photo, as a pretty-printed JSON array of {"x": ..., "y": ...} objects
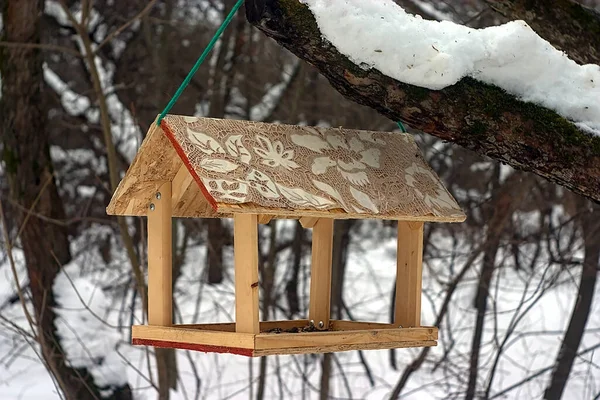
[
  {"x": 569, "y": 26},
  {"x": 581, "y": 310},
  {"x": 29, "y": 171},
  {"x": 477, "y": 116},
  {"x": 215, "y": 241}
]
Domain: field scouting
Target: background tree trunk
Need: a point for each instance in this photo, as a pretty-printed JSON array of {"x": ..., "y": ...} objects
[
  {"x": 505, "y": 198},
  {"x": 581, "y": 310},
  {"x": 32, "y": 184},
  {"x": 341, "y": 242}
]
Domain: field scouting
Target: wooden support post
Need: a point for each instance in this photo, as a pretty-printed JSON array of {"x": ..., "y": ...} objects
[
  {"x": 245, "y": 248},
  {"x": 160, "y": 295},
  {"x": 308, "y": 222},
  {"x": 320, "y": 273},
  {"x": 409, "y": 275}
]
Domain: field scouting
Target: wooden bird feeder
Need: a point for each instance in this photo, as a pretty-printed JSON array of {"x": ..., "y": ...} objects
[{"x": 253, "y": 172}]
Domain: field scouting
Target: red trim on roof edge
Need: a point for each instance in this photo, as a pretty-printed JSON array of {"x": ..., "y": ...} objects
[
  {"x": 186, "y": 162},
  {"x": 194, "y": 347}
]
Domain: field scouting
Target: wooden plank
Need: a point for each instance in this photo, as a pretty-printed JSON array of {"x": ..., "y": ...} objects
[
  {"x": 181, "y": 182},
  {"x": 341, "y": 347},
  {"x": 363, "y": 337},
  {"x": 265, "y": 326},
  {"x": 160, "y": 294},
  {"x": 193, "y": 204},
  {"x": 193, "y": 336},
  {"x": 264, "y": 219},
  {"x": 320, "y": 273},
  {"x": 409, "y": 274},
  {"x": 308, "y": 222},
  {"x": 281, "y": 213},
  {"x": 220, "y": 327},
  {"x": 245, "y": 248},
  {"x": 130, "y": 207},
  {"x": 339, "y": 325},
  {"x": 194, "y": 347}
]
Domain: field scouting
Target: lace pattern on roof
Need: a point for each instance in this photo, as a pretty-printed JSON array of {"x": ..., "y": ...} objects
[{"x": 297, "y": 167}]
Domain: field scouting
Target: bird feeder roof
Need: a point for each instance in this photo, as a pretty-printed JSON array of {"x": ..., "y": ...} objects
[{"x": 220, "y": 167}]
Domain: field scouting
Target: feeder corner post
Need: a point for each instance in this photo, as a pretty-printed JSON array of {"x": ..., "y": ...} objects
[
  {"x": 320, "y": 273},
  {"x": 160, "y": 273},
  {"x": 245, "y": 251},
  {"x": 409, "y": 274}
]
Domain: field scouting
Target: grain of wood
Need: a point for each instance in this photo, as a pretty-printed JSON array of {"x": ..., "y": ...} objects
[
  {"x": 339, "y": 325},
  {"x": 182, "y": 336},
  {"x": 181, "y": 182},
  {"x": 308, "y": 222},
  {"x": 195, "y": 336},
  {"x": 364, "y": 337},
  {"x": 409, "y": 274},
  {"x": 341, "y": 347},
  {"x": 245, "y": 248},
  {"x": 264, "y": 219},
  {"x": 281, "y": 213},
  {"x": 320, "y": 273},
  {"x": 265, "y": 326},
  {"x": 160, "y": 294}
]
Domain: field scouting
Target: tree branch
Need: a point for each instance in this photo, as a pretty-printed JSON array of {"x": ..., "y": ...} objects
[
  {"x": 567, "y": 25},
  {"x": 477, "y": 116},
  {"x": 120, "y": 29}
]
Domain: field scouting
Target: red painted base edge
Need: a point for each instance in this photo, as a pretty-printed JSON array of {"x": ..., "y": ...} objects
[
  {"x": 186, "y": 161},
  {"x": 194, "y": 347}
]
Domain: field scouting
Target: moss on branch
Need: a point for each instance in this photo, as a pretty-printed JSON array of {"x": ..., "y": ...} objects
[{"x": 478, "y": 116}]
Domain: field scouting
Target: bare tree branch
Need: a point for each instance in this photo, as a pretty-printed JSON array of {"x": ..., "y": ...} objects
[{"x": 480, "y": 117}]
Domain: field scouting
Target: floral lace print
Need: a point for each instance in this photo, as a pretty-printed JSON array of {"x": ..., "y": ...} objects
[{"x": 296, "y": 167}]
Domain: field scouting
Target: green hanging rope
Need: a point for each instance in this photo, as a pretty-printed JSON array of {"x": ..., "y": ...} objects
[
  {"x": 401, "y": 126},
  {"x": 199, "y": 62}
]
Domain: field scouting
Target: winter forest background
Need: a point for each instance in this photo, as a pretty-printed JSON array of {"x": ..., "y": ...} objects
[{"x": 513, "y": 289}]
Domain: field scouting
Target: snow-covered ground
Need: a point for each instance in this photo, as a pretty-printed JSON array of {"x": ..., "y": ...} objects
[
  {"x": 434, "y": 55},
  {"x": 101, "y": 325}
]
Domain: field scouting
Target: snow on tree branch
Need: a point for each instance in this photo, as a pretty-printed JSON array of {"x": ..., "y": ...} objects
[
  {"x": 479, "y": 116},
  {"x": 85, "y": 337},
  {"x": 435, "y": 55}
]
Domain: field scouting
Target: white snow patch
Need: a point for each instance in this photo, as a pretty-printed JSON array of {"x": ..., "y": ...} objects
[
  {"x": 118, "y": 47},
  {"x": 85, "y": 337},
  {"x": 434, "y": 55},
  {"x": 73, "y": 103},
  {"x": 8, "y": 287},
  {"x": 54, "y": 9}
]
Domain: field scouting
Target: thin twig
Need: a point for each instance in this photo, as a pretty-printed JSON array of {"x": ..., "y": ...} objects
[
  {"x": 120, "y": 29},
  {"x": 34, "y": 204},
  {"x": 56, "y": 378}
]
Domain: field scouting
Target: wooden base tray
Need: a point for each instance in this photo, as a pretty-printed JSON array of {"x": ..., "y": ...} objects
[{"x": 284, "y": 337}]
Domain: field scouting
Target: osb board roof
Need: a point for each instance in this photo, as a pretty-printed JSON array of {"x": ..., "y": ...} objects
[{"x": 285, "y": 171}]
